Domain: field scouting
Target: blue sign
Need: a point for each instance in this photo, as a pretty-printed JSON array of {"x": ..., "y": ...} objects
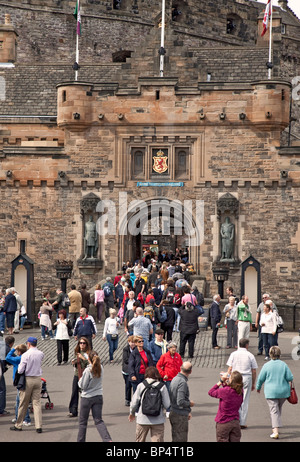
[{"x": 172, "y": 184}]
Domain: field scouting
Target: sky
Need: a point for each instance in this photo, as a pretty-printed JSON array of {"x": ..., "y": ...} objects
[{"x": 293, "y": 5}]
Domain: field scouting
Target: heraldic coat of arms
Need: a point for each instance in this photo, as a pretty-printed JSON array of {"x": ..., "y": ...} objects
[{"x": 160, "y": 162}]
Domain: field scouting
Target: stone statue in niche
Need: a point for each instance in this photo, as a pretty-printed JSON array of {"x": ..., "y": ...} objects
[
  {"x": 227, "y": 240},
  {"x": 90, "y": 239}
]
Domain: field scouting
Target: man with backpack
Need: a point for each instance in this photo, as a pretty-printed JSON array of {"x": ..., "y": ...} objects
[
  {"x": 149, "y": 400},
  {"x": 59, "y": 303},
  {"x": 109, "y": 295}
]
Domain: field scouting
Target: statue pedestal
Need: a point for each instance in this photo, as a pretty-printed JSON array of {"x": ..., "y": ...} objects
[
  {"x": 233, "y": 263},
  {"x": 89, "y": 266}
]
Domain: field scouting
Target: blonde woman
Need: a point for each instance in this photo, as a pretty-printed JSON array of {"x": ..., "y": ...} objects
[{"x": 92, "y": 399}]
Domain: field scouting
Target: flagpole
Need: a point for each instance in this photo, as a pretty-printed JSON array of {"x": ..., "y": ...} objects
[
  {"x": 77, "y": 15},
  {"x": 77, "y": 56},
  {"x": 270, "y": 43},
  {"x": 162, "y": 42}
]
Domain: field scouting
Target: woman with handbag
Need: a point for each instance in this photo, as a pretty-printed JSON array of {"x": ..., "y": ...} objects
[
  {"x": 276, "y": 377},
  {"x": 111, "y": 332},
  {"x": 80, "y": 362},
  {"x": 63, "y": 327}
]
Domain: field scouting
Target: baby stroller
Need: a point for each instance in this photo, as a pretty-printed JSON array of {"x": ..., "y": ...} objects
[{"x": 44, "y": 394}]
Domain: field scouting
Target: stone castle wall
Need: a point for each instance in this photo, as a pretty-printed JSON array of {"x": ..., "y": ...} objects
[{"x": 56, "y": 160}]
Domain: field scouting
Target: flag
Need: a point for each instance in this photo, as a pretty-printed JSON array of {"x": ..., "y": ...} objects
[
  {"x": 267, "y": 16},
  {"x": 77, "y": 17}
]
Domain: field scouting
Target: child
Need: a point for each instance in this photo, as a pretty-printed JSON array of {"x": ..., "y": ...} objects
[
  {"x": 45, "y": 321},
  {"x": 14, "y": 358}
]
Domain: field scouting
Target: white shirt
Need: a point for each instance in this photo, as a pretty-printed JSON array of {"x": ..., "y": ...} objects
[
  {"x": 130, "y": 304},
  {"x": 61, "y": 331},
  {"x": 269, "y": 321},
  {"x": 242, "y": 361},
  {"x": 110, "y": 326}
]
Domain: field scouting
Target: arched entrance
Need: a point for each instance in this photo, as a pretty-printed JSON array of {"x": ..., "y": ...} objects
[{"x": 159, "y": 224}]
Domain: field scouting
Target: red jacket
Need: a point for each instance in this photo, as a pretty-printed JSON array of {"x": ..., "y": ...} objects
[{"x": 169, "y": 366}]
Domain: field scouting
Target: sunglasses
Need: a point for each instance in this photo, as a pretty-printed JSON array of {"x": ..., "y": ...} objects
[
  {"x": 82, "y": 343},
  {"x": 140, "y": 341}
]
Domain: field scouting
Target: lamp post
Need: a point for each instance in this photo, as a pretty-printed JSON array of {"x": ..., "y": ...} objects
[
  {"x": 63, "y": 272},
  {"x": 221, "y": 273}
]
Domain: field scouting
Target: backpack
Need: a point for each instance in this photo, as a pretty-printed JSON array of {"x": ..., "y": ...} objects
[
  {"x": 107, "y": 291},
  {"x": 177, "y": 299},
  {"x": 66, "y": 302},
  {"x": 170, "y": 297},
  {"x": 152, "y": 399},
  {"x": 141, "y": 298},
  {"x": 149, "y": 313},
  {"x": 163, "y": 316}
]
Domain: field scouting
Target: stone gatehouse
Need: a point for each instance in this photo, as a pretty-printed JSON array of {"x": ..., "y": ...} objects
[{"x": 213, "y": 132}]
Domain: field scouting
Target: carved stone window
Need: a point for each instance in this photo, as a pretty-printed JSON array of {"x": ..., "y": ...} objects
[
  {"x": 181, "y": 163},
  {"x": 138, "y": 163}
]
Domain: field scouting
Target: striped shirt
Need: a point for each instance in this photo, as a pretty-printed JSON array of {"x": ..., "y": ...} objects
[{"x": 31, "y": 362}]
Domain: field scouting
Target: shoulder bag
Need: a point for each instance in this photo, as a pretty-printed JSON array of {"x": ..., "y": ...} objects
[
  {"x": 197, "y": 307},
  {"x": 293, "y": 399}
]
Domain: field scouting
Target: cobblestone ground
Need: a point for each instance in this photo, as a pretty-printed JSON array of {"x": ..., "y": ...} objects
[{"x": 204, "y": 355}]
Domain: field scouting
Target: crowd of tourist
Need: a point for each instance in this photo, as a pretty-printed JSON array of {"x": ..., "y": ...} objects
[{"x": 150, "y": 300}]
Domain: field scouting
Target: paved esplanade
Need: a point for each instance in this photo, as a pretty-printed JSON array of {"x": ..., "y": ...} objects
[{"x": 208, "y": 363}]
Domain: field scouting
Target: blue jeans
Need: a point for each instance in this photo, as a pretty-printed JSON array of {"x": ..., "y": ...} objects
[
  {"x": 22, "y": 321},
  {"x": 113, "y": 345},
  {"x": 268, "y": 340},
  {"x": 43, "y": 332},
  {"x": 260, "y": 340},
  {"x": 2, "y": 321}
]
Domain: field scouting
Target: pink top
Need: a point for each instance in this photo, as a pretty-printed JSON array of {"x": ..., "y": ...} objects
[
  {"x": 229, "y": 404},
  {"x": 189, "y": 298},
  {"x": 99, "y": 296}
]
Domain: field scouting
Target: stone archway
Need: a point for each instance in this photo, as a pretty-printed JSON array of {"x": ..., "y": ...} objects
[{"x": 161, "y": 209}]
